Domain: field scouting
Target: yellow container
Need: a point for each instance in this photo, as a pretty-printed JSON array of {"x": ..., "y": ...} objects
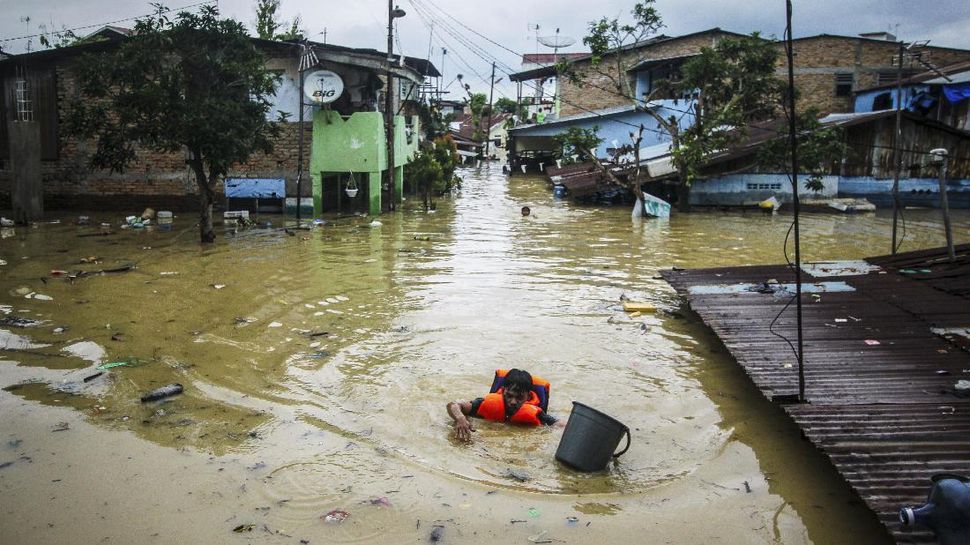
[{"x": 631, "y": 306}]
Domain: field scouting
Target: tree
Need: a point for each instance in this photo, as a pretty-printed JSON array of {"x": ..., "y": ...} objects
[
  {"x": 478, "y": 105},
  {"x": 506, "y": 105},
  {"x": 57, "y": 39},
  {"x": 818, "y": 149},
  {"x": 195, "y": 85},
  {"x": 433, "y": 169},
  {"x": 733, "y": 85},
  {"x": 268, "y": 23},
  {"x": 576, "y": 142},
  {"x": 608, "y": 39}
]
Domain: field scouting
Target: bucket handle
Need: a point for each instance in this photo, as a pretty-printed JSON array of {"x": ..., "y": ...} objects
[{"x": 627, "y": 447}]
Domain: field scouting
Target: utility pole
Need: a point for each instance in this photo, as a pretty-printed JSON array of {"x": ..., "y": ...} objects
[
  {"x": 307, "y": 60},
  {"x": 897, "y": 144},
  {"x": 389, "y": 101},
  {"x": 793, "y": 141},
  {"x": 444, "y": 52},
  {"x": 488, "y": 124},
  {"x": 299, "y": 166}
]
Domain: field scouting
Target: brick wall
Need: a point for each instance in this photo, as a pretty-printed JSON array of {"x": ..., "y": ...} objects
[
  {"x": 596, "y": 91},
  {"x": 153, "y": 179},
  {"x": 818, "y": 59}
]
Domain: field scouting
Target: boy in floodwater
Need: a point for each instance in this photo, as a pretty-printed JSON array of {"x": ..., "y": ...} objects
[{"x": 516, "y": 397}]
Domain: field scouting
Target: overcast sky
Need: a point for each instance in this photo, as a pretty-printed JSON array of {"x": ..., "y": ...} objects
[{"x": 511, "y": 23}]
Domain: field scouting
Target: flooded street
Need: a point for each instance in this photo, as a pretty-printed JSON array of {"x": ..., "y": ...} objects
[{"x": 316, "y": 368}]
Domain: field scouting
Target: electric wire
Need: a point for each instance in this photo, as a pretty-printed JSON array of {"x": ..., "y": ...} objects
[{"x": 66, "y": 30}]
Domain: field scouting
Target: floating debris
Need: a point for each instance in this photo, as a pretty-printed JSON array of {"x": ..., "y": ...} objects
[
  {"x": 336, "y": 516},
  {"x": 163, "y": 392}
]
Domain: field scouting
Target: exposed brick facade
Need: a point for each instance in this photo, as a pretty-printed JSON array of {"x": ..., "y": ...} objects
[
  {"x": 817, "y": 61},
  {"x": 596, "y": 90},
  {"x": 158, "y": 180},
  {"x": 819, "y": 58}
]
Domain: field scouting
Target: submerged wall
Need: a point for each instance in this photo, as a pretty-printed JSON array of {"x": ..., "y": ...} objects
[{"x": 750, "y": 189}]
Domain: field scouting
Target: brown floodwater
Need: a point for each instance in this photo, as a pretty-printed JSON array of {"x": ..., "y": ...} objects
[{"x": 316, "y": 367}]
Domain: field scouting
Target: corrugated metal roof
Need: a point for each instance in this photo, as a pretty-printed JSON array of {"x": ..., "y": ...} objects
[
  {"x": 880, "y": 380},
  {"x": 580, "y": 179},
  {"x": 605, "y": 112}
]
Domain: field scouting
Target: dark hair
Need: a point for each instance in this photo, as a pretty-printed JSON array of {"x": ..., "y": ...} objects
[{"x": 517, "y": 380}]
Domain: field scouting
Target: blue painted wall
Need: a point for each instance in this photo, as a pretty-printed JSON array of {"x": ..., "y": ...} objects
[
  {"x": 750, "y": 189},
  {"x": 615, "y": 129},
  {"x": 733, "y": 190}
]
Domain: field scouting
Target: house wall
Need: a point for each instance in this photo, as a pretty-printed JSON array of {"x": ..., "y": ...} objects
[
  {"x": 749, "y": 189},
  {"x": 160, "y": 180},
  {"x": 614, "y": 129},
  {"x": 871, "y": 150},
  {"x": 818, "y": 59},
  {"x": 596, "y": 91},
  {"x": 912, "y": 191}
]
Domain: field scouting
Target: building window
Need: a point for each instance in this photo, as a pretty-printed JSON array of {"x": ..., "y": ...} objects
[
  {"x": 762, "y": 187},
  {"x": 843, "y": 85},
  {"x": 886, "y": 78},
  {"x": 25, "y": 108}
]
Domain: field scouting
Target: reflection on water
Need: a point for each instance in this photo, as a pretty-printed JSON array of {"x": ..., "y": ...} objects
[{"x": 328, "y": 356}]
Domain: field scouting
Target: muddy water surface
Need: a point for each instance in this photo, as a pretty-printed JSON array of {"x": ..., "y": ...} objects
[{"x": 317, "y": 365}]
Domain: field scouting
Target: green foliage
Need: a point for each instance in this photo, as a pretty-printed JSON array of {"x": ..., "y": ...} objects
[
  {"x": 269, "y": 25},
  {"x": 477, "y": 103},
  {"x": 733, "y": 85},
  {"x": 506, "y": 105},
  {"x": 576, "y": 141},
  {"x": 267, "y": 21},
  {"x": 734, "y": 81},
  {"x": 606, "y": 35},
  {"x": 195, "y": 84},
  {"x": 433, "y": 169},
  {"x": 819, "y": 149},
  {"x": 63, "y": 38}
]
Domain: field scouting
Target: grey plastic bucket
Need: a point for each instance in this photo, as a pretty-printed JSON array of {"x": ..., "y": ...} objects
[{"x": 590, "y": 439}]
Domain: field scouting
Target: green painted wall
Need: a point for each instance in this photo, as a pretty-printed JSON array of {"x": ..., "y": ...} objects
[{"x": 357, "y": 144}]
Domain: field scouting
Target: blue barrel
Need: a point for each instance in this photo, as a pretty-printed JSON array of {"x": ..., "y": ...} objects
[
  {"x": 590, "y": 439},
  {"x": 559, "y": 191}
]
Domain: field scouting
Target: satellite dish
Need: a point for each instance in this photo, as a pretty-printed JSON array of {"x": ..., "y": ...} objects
[
  {"x": 556, "y": 41},
  {"x": 323, "y": 86}
]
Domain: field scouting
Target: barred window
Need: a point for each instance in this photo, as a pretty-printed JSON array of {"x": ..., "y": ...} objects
[
  {"x": 25, "y": 108},
  {"x": 886, "y": 78},
  {"x": 843, "y": 85}
]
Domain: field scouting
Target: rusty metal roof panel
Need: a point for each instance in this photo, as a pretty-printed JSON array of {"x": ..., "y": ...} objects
[{"x": 882, "y": 362}]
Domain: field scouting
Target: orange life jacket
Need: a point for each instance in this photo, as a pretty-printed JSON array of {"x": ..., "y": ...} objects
[
  {"x": 540, "y": 387},
  {"x": 493, "y": 408}
]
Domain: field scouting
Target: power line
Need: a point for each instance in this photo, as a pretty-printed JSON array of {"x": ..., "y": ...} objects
[{"x": 65, "y": 31}]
